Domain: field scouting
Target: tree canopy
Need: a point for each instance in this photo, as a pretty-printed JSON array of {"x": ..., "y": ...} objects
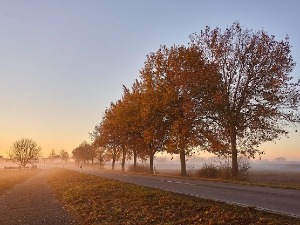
[
  {"x": 24, "y": 151},
  {"x": 226, "y": 92},
  {"x": 257, "y": 98}
]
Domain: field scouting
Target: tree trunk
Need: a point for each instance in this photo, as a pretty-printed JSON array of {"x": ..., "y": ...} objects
[
  {"x": 134, "y": 160},
  {"x": 151, "y": 163},
  {"x": 235, "y": 168},
  {"x": 100, "y": 161},
  {"x": 114, "y": 157},
  {"x": 182, "y": 163},
  {"x": 113, "y": 162},
  {"x": 123, "y": 160}
]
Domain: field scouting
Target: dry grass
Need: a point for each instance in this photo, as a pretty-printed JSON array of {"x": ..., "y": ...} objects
[
  {"x": 280, "y": 177},
  {"x": 273, "y": 178},
  {"x": 263, "y": 178},
  {"x": 9, "y": 178},
  {"x": 101, "y": 201}
]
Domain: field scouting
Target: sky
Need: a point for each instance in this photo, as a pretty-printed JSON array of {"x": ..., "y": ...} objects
[{"x": 63, "y": 62}]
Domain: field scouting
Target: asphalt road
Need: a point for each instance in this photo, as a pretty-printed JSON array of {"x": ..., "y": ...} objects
[{"x": 283, "y": 201}]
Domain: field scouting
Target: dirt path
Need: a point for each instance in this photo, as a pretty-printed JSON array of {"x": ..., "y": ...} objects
[{"x": 32, "y": 203}]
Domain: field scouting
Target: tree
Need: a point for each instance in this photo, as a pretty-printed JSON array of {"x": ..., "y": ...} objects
[
  {"x": 104, "y": 135},
  {"x": 280, "y": 159},
  {"x": 121, "y": 126},
  {"x": 53, "y": 155},
  {"x": 257, "y": 99},
  {"x": 84, "y": 152},
  {"x": 64, "y": 155},
  {"x": 134, "y": 126},
  {"x": 24, "y": 151},
  {"x": 152, "y": 115},
  {"x": 120, "y": 132},
  {"x": 101, "y": 155},
  {"x": 114, "y": 132},
  {"x": 186, "y": 85}
]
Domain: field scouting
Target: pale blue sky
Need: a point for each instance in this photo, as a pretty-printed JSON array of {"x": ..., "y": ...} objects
[{"x": 63, "y": 62}]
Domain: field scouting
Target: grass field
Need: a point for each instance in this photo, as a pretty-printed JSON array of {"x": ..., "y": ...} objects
[
  {"x": 96, "y": 200},
  {"x": 283, "y": 177},
  {"x": 264, "y": 178},
  {"x": 9, "y": 178}
]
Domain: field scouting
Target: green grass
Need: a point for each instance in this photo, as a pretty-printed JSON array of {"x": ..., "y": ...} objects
[{"x": 96, "y": 200}]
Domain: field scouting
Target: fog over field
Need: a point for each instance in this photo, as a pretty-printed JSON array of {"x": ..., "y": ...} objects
[
  {"x": 166, "y": 163},
  {"x": 277, "y": 170}
]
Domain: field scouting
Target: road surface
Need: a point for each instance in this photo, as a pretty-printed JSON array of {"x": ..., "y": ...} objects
[{"x": 282, "y": 201}]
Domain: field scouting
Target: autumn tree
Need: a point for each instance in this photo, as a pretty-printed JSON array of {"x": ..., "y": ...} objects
[
  {"x": 134, "y": 123},
  {"x": 101, "y": 152},
  {"x": 84, "y": 152},
  {"x": 123, "y": 123},
  {"x": 104, "y": 135},
  {"x": 152, "y": 119},
  {"x": 24, "y": 151},
  {"x": 113, "y": 132},
  {"x": 118, "y": 130},
  {"x": 101, "y": 155},
  {"x": 186, "y": 84},
  {"x": 122, "y": 130},
  {"x": 257, "y": 99}
]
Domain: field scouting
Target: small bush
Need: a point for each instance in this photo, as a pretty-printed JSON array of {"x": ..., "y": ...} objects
[
  {"x": 244, "y": 167},
  {"x": 208, "y": 171},
  {"x": 223, "y": 170},
  {"x": 140, "y": 168}
]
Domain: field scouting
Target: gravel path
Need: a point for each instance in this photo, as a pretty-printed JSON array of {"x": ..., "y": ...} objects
[{"x": 32, "y": 203}]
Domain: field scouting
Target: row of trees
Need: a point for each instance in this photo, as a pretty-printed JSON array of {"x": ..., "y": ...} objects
[
  {"x": 226, "y": 92},
  {"x": 63, "y": 155},
  {"x": 26, "y": 151},
  {"x": 89, "y": 152}
]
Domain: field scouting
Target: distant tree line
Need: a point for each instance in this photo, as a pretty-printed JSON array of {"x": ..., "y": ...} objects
[
  {"x": 226, "y": 92},
  {"x": 86, "y": 153},
  {"x": 62, "y": 155}
]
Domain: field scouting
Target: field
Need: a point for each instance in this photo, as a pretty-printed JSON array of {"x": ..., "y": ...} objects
[
  {"x": 11, "y": 177},
  {"x": 96, "y": 200},
  {"x": 284, "y": 175},
  {"x": 283, "y": 179},
  {"x": 268, "y": 178}
]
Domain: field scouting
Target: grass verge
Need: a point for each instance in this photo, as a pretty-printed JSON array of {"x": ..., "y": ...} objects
[
  {"x": 9, "y": 178},
  {"x": 97, "y": 200}
]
